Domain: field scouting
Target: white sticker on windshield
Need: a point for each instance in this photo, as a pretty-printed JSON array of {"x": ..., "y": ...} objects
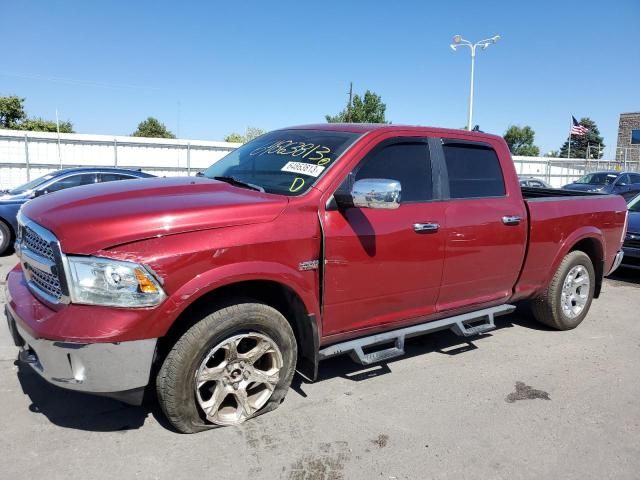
[{"x": 304, "y": 168}]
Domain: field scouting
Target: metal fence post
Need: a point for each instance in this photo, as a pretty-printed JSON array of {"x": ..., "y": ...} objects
[
  {"x": 188, "y": 159},
  {"x": 26, "y": 156},
  {"x": 115, "y": 152}
]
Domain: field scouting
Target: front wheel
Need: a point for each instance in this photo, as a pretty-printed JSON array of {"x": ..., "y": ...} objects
[
  {"x": 232, "y": 365},
  {"x": 567, "y": 299}
]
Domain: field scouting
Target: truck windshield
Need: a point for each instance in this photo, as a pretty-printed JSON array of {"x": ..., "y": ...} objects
[
  {"x": 287, "y": 162},
  {"x": 598, "y": 178}
]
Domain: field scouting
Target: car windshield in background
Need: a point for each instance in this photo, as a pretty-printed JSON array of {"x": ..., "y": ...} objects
[
  {"x": 634, "y": 204},
  {"x": 287, "y": 162},
  {"x": 598, "y": 179},
  {"x": 30, "y": 185}
]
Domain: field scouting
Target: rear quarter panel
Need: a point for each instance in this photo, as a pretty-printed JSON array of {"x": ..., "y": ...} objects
[{"x": 557, "y": 224}]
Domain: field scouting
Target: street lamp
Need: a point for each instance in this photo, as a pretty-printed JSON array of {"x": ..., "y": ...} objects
[{"x": 458, "y": 41}]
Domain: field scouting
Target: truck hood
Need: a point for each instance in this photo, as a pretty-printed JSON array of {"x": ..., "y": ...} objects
[{"x": 94, "y": 217}]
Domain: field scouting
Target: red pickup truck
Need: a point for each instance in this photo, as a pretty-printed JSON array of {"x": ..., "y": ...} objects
[{"x": 305, "y": 243}]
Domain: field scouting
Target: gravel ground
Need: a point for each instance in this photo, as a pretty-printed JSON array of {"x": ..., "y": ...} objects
[{"x": 520, "y": 402}]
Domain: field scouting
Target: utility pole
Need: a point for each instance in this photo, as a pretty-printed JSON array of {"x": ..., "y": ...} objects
[{"x": 349, "y": 105}]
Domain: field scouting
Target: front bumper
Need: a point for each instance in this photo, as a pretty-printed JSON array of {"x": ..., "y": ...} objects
[{"x": 119, "y": 370}]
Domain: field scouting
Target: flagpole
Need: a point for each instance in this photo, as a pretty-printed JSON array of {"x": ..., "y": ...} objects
[{"x": 570, "y": 127}]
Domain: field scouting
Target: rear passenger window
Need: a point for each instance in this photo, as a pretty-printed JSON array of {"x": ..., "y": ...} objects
[
  {"x": 474, "y": 170},
  {"x": 407, "y": 163}
]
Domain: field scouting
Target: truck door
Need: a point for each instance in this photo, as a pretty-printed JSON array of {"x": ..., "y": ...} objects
[
  {"x": 485, "y": 227},
  {"x": 385, "y": 265}
]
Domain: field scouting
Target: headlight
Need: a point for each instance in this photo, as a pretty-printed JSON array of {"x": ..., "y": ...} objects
[{"x": 101, "y": 281}]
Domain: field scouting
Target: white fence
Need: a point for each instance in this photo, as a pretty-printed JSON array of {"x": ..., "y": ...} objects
[
  {"x": 27, "y": 155},
  {"x": 560, "y": 171}
]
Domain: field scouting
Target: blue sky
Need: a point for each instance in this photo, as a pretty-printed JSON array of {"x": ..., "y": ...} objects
[{"x": 209, "y": 68}]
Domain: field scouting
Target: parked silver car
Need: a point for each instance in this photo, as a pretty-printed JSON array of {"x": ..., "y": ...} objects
[{"x": 533, "y": 182}]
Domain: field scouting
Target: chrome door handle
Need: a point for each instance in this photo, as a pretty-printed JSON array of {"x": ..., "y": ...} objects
[
  {"x": 425, "y": 227},
  {"x": 511, "y": 220}
]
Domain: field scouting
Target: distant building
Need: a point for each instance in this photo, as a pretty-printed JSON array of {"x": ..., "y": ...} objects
[{"x": 628, "y": 138}]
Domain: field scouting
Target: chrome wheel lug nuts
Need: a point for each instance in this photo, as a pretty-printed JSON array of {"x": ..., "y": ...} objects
[{"x": 236, "y": 386}]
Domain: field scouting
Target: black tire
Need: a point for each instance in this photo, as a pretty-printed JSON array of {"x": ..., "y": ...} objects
[
  {"x": 547, "y": 308},
  {"x": 175, "y": 382},
  {"x": 6, "y": 235}
]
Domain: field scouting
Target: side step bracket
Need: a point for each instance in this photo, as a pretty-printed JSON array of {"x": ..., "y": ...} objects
[{"x": 465, "y": 325}]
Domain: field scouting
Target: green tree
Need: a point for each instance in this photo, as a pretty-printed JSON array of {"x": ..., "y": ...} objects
[
  {"x": 579, "y": 144},
  {"x": 13, "y": 115},
  {"x": 520, "y": 141},
  {"x": 367, "y": 109},
  {"x": 11, "y": 111},
  {"x": 152, "y": 128},
  {"x": 251, "y": 133},
  {"x": 42, "y": 125}
]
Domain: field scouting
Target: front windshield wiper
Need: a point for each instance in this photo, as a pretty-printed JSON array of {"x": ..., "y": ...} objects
[{"x": 239, "y": 183}]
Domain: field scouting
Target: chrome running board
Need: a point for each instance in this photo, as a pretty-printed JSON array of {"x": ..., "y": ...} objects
[{"x": 465, "y": 325}]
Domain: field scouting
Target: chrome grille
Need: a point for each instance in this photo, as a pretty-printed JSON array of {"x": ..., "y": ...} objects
[
  {"x": 41, "y": 260},
  {"x": 36, "y": 243},
  {"x": 46, "y": 281}
]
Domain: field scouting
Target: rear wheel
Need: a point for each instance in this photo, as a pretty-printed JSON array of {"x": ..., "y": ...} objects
[
  {"x": 232, "y": 365},
  {"x": 567, "y": 299},
  {"x": 5, "y": 237}
]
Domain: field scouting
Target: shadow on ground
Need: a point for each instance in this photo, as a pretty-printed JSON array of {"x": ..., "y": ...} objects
[
  {"x": 80, "y": 411},
  {"x": 625, "y": 276},
  {"x": 444, "y": 342}
]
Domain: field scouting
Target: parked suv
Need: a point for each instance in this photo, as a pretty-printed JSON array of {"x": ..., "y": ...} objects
[
  {"x": 626, "y": 184},
  {"x": 12, "y": 200}
]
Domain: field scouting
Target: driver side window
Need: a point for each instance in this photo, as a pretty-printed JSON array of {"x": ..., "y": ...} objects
[{"x": 407, "y": 162}]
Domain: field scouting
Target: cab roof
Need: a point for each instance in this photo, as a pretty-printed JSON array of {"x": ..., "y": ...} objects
[{"x": 371, "y": 127}]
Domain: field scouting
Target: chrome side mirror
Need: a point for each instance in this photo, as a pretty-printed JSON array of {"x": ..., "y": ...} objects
[{"x": 376, "y": 193}]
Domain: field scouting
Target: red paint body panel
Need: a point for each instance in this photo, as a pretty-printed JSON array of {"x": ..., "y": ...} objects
[
  {"x": 88, "y": 218},
  {"x": 199, "y": 235}
]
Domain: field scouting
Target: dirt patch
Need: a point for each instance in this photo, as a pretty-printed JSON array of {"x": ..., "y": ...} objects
[
  {"x": 525, "y": 392},
  {"x": 381, "y": 441},
  {"x": 326, "y": 463}
]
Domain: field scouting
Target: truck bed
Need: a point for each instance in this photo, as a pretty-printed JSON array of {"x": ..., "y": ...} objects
[
  {"x": 558, "y": 219},
  {"x": 529, "y": 193}
]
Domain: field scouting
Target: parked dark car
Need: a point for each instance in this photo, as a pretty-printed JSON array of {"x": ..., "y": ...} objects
[
  {"x": 12, "y": 200},
  {"x": 631, "y": 244},
  {"x": 626, "y": 184},
  {"x": 533, "y": 182}
]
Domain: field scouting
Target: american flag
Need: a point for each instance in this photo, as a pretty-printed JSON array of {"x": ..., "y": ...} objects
[{"x": 577, "y": 129}]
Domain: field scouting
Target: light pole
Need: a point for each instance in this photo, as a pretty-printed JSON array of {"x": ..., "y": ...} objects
[{"x": 458, "y": 41}]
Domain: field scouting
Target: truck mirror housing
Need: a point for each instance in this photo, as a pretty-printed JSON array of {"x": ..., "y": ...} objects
[{"x": 376, "y": 193}]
